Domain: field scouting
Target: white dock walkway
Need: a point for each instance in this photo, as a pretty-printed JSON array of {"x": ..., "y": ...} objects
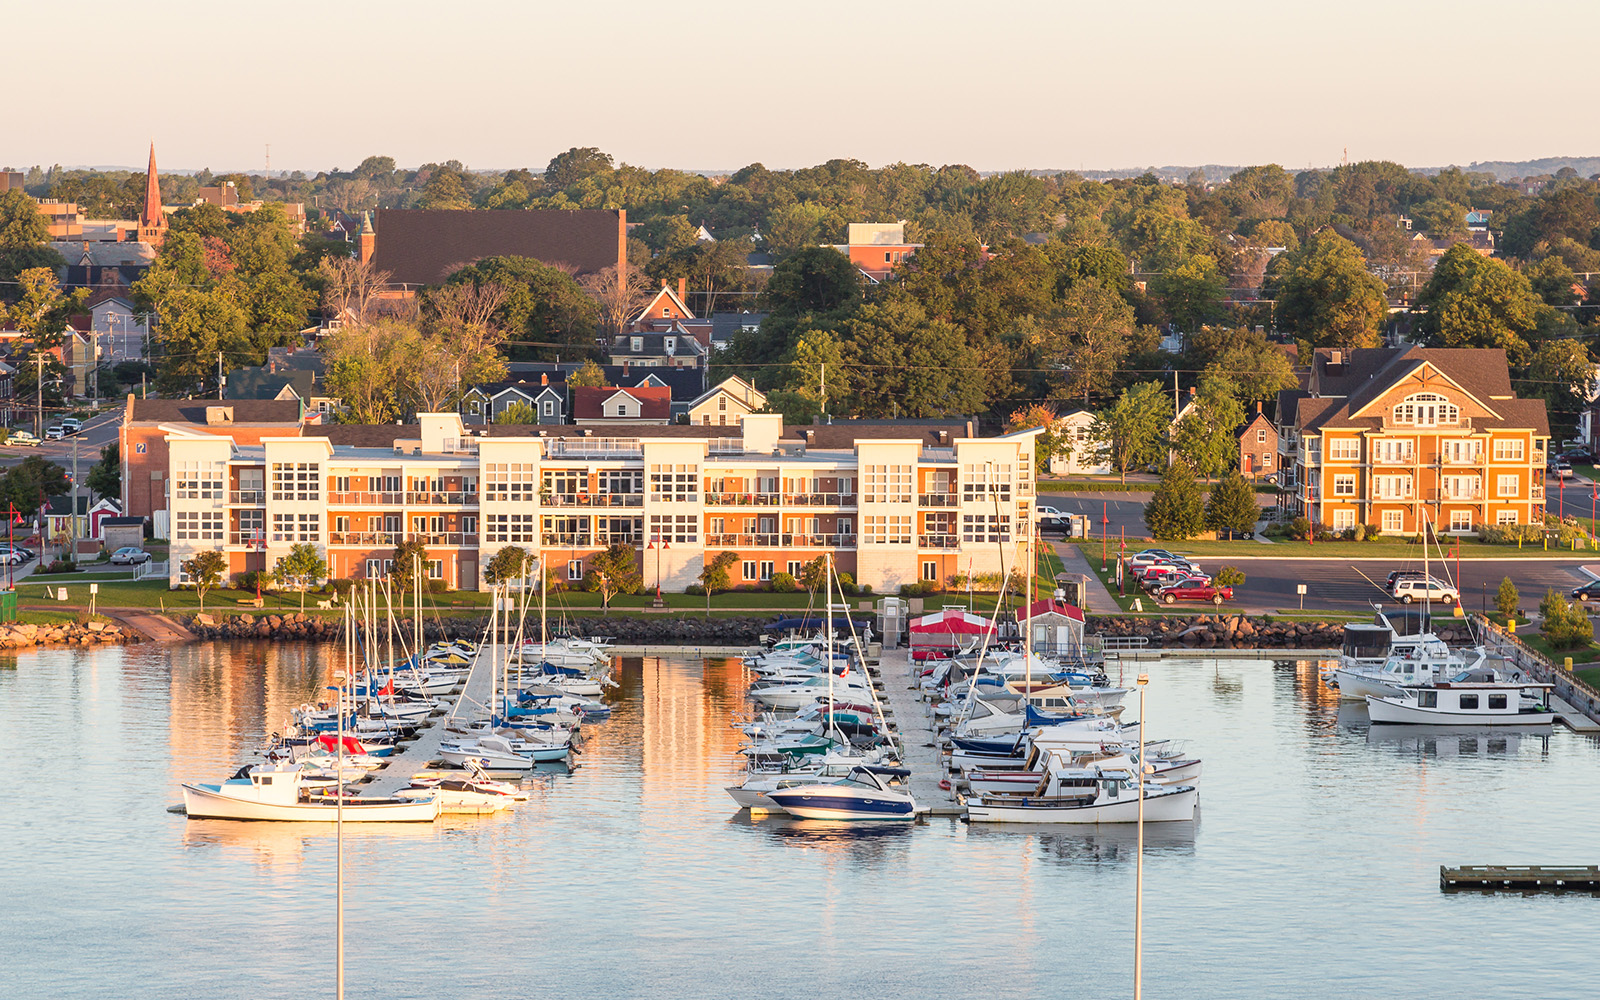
[
  {"x": 423, "y": 752},
  {"x": 913, "y": 720},
  {"x": 1572, "y": 717}
]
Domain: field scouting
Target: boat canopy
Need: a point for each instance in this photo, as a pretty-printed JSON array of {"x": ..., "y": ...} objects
[{"x": 952, "y": 622}]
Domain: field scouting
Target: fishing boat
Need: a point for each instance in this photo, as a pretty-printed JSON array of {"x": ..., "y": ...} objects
[
  {"x": 497, "y": 753},
  {"x": 1161, "y": 770},
  {"x": 1086, "y": 795},
  {"x": 862, "y": 794},
  {"x": 276, "y": 793},
  {"x": 1478, "y": 697},
  {"x": 1381, "y": 657}
]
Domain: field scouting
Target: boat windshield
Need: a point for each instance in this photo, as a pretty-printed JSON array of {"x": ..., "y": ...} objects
[
  {"x": 1366, "y": 642},
  {"x": 855, "y": 781}
]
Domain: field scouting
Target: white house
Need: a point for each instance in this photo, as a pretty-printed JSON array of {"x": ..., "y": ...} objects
[
  {"x": 122, "y": 332},
  {"x": 1088, "y": 457}
]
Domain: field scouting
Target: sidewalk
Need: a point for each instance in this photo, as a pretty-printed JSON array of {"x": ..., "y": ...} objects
[{"x": 1100, "y": 600}]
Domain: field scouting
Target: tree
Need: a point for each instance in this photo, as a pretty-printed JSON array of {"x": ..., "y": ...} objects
[
  {"x": 351, "y": 288},
  {"x": 814, "y": 280},
  {"x": 1088, "y": 337},
  {"x": 1473, "y": 301},
  {"x": 21, "y": 222},
  {"x": 366, "y": 366},
  {"x": 410, "y": 560},
  {"x": 1254, "y": 369},
  {"x": 614, "y": 571},
  {"x": 517, "y": 413},
  {"x": 41, "y": 309},
  {"x": 1562, "y": 374},
  {"x": 1232, "y": 505},
  {"x": 918, "y": 367},
  {"x": 589, "y": 375},
  {"x": 814, "y": 575},
  {"x": 196, "y": 326},
  {"x": 1564, "y": 625},
  {"x": 303, "y": 567},
  {"x": 576, "y": 164},
  {"x": 1325, "y": 294},
  {"x": 1130, "y": 431},
  {"x": 1204, "y": 436},
  {"x": 105, "y": 479},
  {"x": 1175, "y": 511},
  {"x": 205, "y": 570},
  {"x": 542, "y": 304},
  {"x": 1053, "y": 442},
  {"x": 618, "y": 295},
  {"x": 1191, "y": 291},
  {"x": 26, "y": 484},
  {"x": 714, "y": 576},
  {"x": 511, "y": 563},
  {"x": 1506, "y": 598}
]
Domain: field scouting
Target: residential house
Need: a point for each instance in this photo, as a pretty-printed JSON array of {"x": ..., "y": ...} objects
[
  {"x": 1399, "y": 437},
  {"x": 112, "y": 317},
  {"x": 894, "y": 502},
  {"x": 8, "y": 393},
  {"x": 674, "y": 347},
  {"x": 726, "y": 404},
  {"x": 425, "y": 246},
  {"x": 482, "y": 404},
  {"x": 102, "y": 264},
  {"x": 1088, "y": 456},
  {"x": 59, "y": 523},
  {"x": 1258, "y": 447},
  {"x": 876, "y": 248},
  {"x": 725, "y": 325},
  {"x": 646, "y": 405},
  {"x": 296, "y": 384}
]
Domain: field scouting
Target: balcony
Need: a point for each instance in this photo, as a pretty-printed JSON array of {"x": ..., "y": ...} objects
[
  {"x": 246, "y": 538},
  {"x": 376, "y": 538},
  {"x": 775, "y": 541},
  {"x": 819, "y": 499},
  {"x": 1448, "y": 495},
  {"x": 458, "y": 538},
  {"x": 363, "y": 499},
  {"x": 592, "y": 447},
  {"x": 1394, "y": 496},
  {"x": 582, "y": 540},
  {"x": 594, "y": 500},
  {"x": 255, "y": 497},
  {"x": 1408, "y": 458},
  {"x": 937, "y": 500},
  {"x": 938, "y": 541},
  {"x": 456, "y": 499},
  {"x": 743, "y": 499},
  {"x": 1466, "y": 460}
]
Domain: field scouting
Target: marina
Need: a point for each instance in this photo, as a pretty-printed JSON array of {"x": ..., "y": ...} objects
[{"x": 642, "y": 846}]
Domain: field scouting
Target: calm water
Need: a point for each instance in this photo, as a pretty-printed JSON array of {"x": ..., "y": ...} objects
[{"x": 1313, "y": 871}]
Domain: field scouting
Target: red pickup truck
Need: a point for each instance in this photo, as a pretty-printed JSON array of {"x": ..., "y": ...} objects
[{"x": 1195, "y": 589}]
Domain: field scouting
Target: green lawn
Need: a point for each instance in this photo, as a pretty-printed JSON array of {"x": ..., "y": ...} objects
[{"x": 1537, "y": 643}]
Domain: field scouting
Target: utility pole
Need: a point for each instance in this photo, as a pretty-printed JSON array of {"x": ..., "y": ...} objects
[
  {"x": 38, "y": 385},
  {"x": 823, "y": 369},
  {"x": 72, "y": 514},
  {"x": 219, "y": 374}
]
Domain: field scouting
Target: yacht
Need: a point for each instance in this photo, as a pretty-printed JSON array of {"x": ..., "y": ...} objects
[
  {"x": 863, "y": 794},
  {"x": 1086, "y": 795},
  {"x": 1478, "y": 697},
  {"x": 1380, "y": 658}
]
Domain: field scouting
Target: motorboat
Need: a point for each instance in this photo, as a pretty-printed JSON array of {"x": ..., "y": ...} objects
[
  {"x": 474, "y": 793},
  {"x": 862, "y": 794},
  {"x": 276, "y": 793},
  {"x": 1477, "y": 697},
  {"x": 1382, "y": 657},
  {"x": 1068, "y": 794},
  {"x": 496, "y": 753},
  {"x": 798, "y": 695},
  {"x": 1160, "y": 770},
  {"x": 752, "y": 792}
]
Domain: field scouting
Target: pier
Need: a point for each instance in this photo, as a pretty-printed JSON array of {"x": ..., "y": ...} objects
[
  {"x": 913, "y": 720},
  {"x": 423, "y": 752},
  {"x": 1519, "y": 878}
]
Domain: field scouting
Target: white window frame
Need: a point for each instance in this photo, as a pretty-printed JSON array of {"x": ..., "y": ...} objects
[{"x": 1508, "y": 485}]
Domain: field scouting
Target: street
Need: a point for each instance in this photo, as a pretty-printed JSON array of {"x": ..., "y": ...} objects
[
  {"x": 97, "y": 432},
  {"x": 1338, "y": 585}
]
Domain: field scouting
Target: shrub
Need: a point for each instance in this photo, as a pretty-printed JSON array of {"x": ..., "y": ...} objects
[
  {"x": 1358, "y": 533},
  {"x": 695, "y": 590},
  {"x": 438, "y": 587},
  {"x": 847, "y": 585},
  {"x": 248, "y": 580},
  {"x": 1300, "y": 529},
  {"x": 1505, "y": 599},
  {"x": 922, "y": 588},
  {"x": 783, "y": 583},
  {"x": 342, "y": 587},
  {"x": 1372, "y": 532},
  {"x": 1564, "y": 625},
  {"x": 61, "y": 566},
  {"x": 1230, "y": 576},
  {"x": 865, "y": 589}
]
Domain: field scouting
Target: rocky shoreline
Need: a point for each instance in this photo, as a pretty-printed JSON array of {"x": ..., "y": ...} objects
[
  {"x": 16, "y": 635},
  {"x": 663, "y": 630}
]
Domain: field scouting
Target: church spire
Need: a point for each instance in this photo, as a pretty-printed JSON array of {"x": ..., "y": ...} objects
[{"x": 152, "y": 221}]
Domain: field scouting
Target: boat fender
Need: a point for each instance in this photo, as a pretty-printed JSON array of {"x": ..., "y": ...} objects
[{"x": 944, "y": 783}]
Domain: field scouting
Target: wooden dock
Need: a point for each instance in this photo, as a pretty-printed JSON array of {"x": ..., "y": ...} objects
[
  {"x": 423, "y": 752},
  {"x": 913, "y": 720},
  {"x": 1519, "y": 878}
]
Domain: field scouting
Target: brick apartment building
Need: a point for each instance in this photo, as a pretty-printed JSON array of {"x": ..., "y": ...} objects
[{"x": 895, "y": 503}]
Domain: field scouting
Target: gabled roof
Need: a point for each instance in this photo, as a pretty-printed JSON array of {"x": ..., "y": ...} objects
[
  {"x": 671, "y": 296},
  {"x": 193, "y": 411},
  {"x": 425, "y": 246},
  {"x": 258, "y": 383},
  {"x": 1255, "y": 418},
  {"x": 1348, "y": 387},
  {"x": 736, "y": 387},
  {"x": 588, "y": 402},
  {"x": 105, "y": 253},
  {"x": 61, "y": 506},
  {"x": 725, "y": 324}
]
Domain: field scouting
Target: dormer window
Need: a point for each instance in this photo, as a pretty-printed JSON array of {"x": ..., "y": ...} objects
[
  {"x": 670, "y": 344},
  {"x": 1426, "y": 409},
  {"x": 637, "y": 344}
]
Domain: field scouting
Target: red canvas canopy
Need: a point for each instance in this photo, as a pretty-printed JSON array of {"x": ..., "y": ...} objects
[
  {"x": 1051, "y": 606},
  {"x": 951, "y": 622},
  {"x": 330, "y": 742}
]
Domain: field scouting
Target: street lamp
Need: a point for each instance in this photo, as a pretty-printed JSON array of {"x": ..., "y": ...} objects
[
  {"x": 1138, "y": 878},
  {"x": 658, "y": 544}
]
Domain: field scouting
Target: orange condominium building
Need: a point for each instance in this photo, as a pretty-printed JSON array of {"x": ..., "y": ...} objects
[
  {"x": 895, "y": 502},
  {"x": 1399, "y": 436}
]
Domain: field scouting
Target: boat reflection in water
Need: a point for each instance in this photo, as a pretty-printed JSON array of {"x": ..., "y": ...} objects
[
  {"x": 1114, "y": 844},
  {"x": 273, "y": 844},
  {"x": 1445, "y": 741},
  {"x": 863, "y": 840}
]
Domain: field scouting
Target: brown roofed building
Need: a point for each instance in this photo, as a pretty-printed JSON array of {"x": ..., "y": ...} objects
[
  {"x": 425, "y": 246},
  {"x": 638, "y": 405}
]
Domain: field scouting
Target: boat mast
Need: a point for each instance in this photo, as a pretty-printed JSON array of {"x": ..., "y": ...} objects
[
  {"x": 827, "y": 658},
  {"x": 416, "y": 617},
  {"x": 1027, "y": 631}
]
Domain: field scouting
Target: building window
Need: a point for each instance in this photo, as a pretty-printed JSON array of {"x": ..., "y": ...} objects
[
  {"x": 549, "y": 407},
  {"x": 981, "y": 480},
  {"x": 436, "y": 569},
  {"x": 1344, "y": 449},
  {"x": 296, "y": 481},
  {"x": 674, "y": 483},
  {"x": 1426, "y": 409},
  {"x": 1266, "y": 460},
  {"x": 1461, "y": 520},
  {"x": 794, "y": 568},
  {"x": 1392, "y": 487},
  {"x": 508, "y": 527},
  {"x": 1393, "y": 451},
  {"x": 1508, "y": 450},
  {"x": 574, "y": 569},
  {"x": 930, "y": 570},
  {"x": 749, "y": 570},
  {"x": 637, "y": 344},
  {"x": 766, "y": 571},
  {"x": 341, "y": 524},
  {"x": 198, "y": 480},
  {"x": 1394, "y": 520},
  {"x": 1507, "y": 486},
  {"x": 985, "y": 528},
  {"x": 887, "y": 484},
  {"x": 675, "y": 528},
  {"x": 509, "y": 481},
  {"x": 1261, "y": 435},
  {"x": 1506, "y": 517},
  {"x": 1344, "y": 520},
  {"x": 1344, "y": 486},
  {"x": 294, "y": 527},
  {"x": 199, "y": 526}
]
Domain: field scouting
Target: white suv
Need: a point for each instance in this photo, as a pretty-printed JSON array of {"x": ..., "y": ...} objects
[{"x": 1419, "y": 588}]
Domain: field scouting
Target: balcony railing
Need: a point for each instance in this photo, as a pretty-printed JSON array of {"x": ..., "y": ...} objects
[
  {"x": 594, "y": 500},
  {"x": 362, "y": 498},
  {"x": 937, "y": 500},
  {"x": 387, "y": 539},
  {"x": 820, "y": 499},
  {"x": 468, "y": 539},
  {"x": 582, "y": 540},
  {"x": 245, "y": 537},
  {"x": 366, "y": 499},
  {"x": 743, "y": 499},
  {"x": 1538, "y": 492},
  {"x": 454, "y": 499},
  {"x": 781, "y": 540},
  {"x": 247, "y": 496},
  {"x": 587, "y": 447},
  {"x": 382, "y": 538},
  {"x": 1466, "y": 460},
  {"x": 1437, "y": 495},
  {"x": 939, "y": 541},
  {"x": 1408, "y": 458}
]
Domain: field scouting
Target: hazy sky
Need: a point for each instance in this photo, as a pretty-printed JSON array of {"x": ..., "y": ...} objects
[{"x": 718, "y": 84}]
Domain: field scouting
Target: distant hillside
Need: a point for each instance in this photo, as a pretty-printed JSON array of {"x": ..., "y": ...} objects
[
  {"x": 1503, "y": 170},
  {"x": 1586, "y": 166}
]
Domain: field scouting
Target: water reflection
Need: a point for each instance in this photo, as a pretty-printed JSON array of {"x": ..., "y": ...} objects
[
  {"x": 865, "y": 843},
  {"x": 278, "y": 844},
  {"x": 1113, "y": 844}
]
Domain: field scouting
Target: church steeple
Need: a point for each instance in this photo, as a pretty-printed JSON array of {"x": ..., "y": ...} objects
[{"x": 152, "y": 221}]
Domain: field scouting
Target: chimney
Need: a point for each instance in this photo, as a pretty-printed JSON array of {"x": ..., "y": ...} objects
[
  {"x": 1191, "y": 392},
  {"x": 1258, "y": 407},
  {"x": 545, "y": 380},
  {"x": 683, "y": 284}
]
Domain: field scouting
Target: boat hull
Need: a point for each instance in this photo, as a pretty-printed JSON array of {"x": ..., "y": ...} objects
[
  {"x": 823, "y": 802},
  {"x": 1391, "y": 711},
  {"x": 1175, "y": 806},
  {"x": 1357, "y": 686},
  {"x": 205, "y": 802}
]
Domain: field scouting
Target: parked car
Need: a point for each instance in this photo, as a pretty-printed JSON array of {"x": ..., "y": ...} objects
[
  {"x": 1228, "y": 535},
  {"x": 1045, "y": 510},
  {"x": 54, "y": 433},
  {"x": 1400, "y": 574},
  {"x": 1196, "y": 589},
  {"x": 1175, "y": 564},
  {"x": 23, "y": 554},
  {"x": 1560, "y": 468},
  {"x": 129, "y": 555},
  {"x": 22, "y": 439},
  {"x": 1158, "y": 582},
  {"x": 1051, "y": 525},
  {"x": 1148, "y": 556},
  {"x": 1580, "y": 456},
  {"x": 1588, "y": 592},
  {"x": 1416, "y": 588},
  {"x": 71, "y": 425}
]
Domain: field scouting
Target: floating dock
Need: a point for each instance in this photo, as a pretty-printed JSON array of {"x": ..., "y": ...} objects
[
  {"x": 1519, "y": 878},
  {"x": 422, "y": 753},
  {"x": 913, "y": 720}
]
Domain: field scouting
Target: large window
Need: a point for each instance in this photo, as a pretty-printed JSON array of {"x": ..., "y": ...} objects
[
  {"x": 1506, "y": 517},
  {"x": 1343, "y": 520},
  {"x": 508, "y": 527},
  {"x": 1394, "y": 520},
  {"x": 296, "y": 481},
  {"x": 198, "y": 480},
  {"x": 981, "y": 480},
  {"x": 1426, "y": 409},
  {"x": 1391, "y": 487},
  {"x": 674, "y": 483},
  {"x": 886, "y": 484},
  {"x": 294, "y": 527},
  {"x": 1508, "y": 450},
  {"x": 1391, "y": 451},
  {"x": 203, "y": 526},
  {"x": 676, "y": 528},
  {"x": 1507, "y": 486},
  {"x": 1344, "y": 486},
  {"x": 509, "y": 481},
  {"x": 1341, "y": 449},
  {"x": 985, "y": 528}
]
